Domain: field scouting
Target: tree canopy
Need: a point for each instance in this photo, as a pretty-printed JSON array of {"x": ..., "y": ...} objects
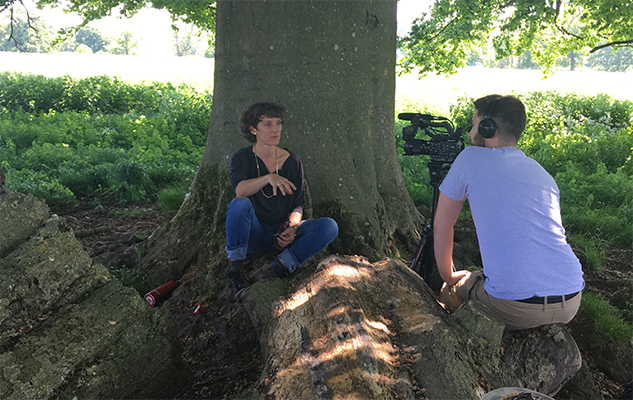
[
  {"x": 198, "y": 12},
  {"x": 441, "y": 40}
]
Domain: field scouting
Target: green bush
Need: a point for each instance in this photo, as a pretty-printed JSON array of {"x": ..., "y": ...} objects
[
  {"x": 39, "y": 185},
  {"x": 100, "y": 136}
]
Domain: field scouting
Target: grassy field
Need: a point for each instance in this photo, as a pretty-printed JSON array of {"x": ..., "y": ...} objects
[
  {"x": 191, "y": 70},
  {"x": 437, "y": 91},
  {"x": 478, "y": 81}
]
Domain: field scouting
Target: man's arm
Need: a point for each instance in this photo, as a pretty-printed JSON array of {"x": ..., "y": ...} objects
[{"x": 446, "y": 215}]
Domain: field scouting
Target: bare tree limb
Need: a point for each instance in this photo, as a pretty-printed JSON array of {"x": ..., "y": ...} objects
[{"x": 612, "y": 44}]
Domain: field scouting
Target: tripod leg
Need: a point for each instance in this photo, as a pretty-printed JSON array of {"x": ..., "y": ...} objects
[
  {"x": 418, "y": 264},
  {"x": 428, "y": 260}
]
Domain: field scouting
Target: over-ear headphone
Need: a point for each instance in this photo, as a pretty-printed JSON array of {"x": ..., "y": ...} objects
[{"x": 487, "y": 127}]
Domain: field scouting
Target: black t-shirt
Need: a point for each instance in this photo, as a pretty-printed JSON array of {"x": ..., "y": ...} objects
[{"x": 275, "y": 210}]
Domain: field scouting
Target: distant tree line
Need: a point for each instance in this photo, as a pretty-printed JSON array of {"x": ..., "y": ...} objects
[
  {"x": 611, "y": 59},
  {"x": 33, "y": 35}
]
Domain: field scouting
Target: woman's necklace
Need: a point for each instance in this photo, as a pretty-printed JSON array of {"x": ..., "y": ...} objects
[{"x": 258, "y": 174}]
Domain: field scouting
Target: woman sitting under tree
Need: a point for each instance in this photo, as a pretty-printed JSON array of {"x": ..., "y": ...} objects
[{"x": 268, "y": 208}]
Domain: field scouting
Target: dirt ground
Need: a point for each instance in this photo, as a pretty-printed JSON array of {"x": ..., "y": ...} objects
[{"x": 223, "y": 365}]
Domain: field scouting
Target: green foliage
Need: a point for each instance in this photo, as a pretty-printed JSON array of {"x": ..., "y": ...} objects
[
  {"x": 585, "y": 143},
  {"x": 609, "y": 327},
  {"x": 83, "y": 49},
  {"x": 25, "y": 35},
  {"x": 525, "y": 61},
  {"x": 99, "y": 136},
  {"x": 186, "y": 40},
  {"x": 92, "y": 38},
  {"x": 209, "y": 52},
  {"x": 589, "y": 250},
  {"x": 612, "y": 59},
  {"x": 199, "y": 12},
  {"x": 126, "y": 44},
  {"x": 441, "y": 41},
  {"x": 39, "y": 184}
]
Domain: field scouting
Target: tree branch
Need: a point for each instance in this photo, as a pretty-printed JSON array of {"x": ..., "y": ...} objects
[
  {"x": 612, "y": 44},
  {"x": 560, "y": 28},
  {"x": 13, "y": 20},
  {"x": 566, "y": 32},
  {"x": 442, "y": 30}
]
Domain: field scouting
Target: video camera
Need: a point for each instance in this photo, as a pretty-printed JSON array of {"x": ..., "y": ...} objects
[{"x": 445, "y": 144}]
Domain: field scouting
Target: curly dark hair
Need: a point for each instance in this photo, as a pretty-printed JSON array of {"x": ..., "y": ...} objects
[
  {"x": 508, "y": 113},
  {"x": 254, "y": 114}
]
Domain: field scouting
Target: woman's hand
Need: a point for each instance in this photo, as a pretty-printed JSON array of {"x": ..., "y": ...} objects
[
  {"x": 286, "y": 237},
  {"x": 280, "y": 183}
]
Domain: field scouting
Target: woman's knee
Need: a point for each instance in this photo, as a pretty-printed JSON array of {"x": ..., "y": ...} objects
[
  {"x": 239, "y": 206},
  {"x": 330, "y": 228}
]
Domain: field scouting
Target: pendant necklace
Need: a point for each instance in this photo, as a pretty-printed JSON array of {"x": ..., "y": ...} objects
[{"x": 258, "y": 174}]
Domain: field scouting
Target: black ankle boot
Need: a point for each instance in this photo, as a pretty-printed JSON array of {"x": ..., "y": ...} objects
[{"x": 238, "y": 282}]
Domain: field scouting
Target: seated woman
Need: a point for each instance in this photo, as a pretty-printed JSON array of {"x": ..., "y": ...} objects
[{"x": 268, "y": 208}]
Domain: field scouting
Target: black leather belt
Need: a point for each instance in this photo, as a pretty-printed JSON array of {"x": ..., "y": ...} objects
[{"x": 550, "y": 299}]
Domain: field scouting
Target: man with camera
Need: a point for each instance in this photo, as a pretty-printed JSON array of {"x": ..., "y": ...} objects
[{"x": 530, "y": 275}]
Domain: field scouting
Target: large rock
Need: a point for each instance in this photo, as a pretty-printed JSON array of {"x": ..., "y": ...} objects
[
  {"x": 20, "y": 218},
  {"x": 67, "y": 327},
  {"x": 360, "y": 330}
]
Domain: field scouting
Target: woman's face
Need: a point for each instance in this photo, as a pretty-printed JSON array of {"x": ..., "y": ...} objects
[{"x": 268, "y": 131}]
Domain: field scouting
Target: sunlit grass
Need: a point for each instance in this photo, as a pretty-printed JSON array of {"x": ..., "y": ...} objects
[
  {"x": 608, "y": 326},
  {"x": 195, "y": 71}
]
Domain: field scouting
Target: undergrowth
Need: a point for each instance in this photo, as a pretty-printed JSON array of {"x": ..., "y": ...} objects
[
  {"x": 62, "y": 139},
  {"x": 609, "y": 326}
]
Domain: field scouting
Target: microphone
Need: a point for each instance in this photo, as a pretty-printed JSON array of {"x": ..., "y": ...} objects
[{"x": 424, "y": 117}]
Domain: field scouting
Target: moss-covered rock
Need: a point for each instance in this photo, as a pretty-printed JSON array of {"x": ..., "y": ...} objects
[
  {"x": 31, "y": 213},
  {"x": 67, "y": 327}
]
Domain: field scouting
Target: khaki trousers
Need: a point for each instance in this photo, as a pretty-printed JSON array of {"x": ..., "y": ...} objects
[{"x": 515, "y": 314}]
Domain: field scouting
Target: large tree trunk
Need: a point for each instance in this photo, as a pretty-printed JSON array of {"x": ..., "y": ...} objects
[{"x": 332, "y": 65}]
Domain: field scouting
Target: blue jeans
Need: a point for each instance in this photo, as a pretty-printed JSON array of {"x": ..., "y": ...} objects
[{"x": 245, "y": 234}]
